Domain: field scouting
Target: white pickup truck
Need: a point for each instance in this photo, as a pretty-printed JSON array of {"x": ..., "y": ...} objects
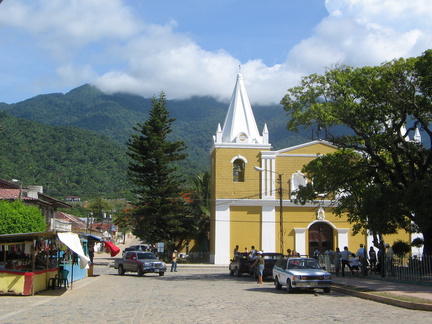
[
  {"x": 300, "y": 273},
  {"x": 140, "y": 262}
]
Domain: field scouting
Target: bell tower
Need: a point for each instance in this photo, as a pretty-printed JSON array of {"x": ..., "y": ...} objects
[{"x": 236, "y": 149}]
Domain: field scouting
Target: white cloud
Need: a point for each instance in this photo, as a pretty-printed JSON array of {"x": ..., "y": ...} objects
[
  {"x": 357, "y": 33},
  {"x": 366, "y": 32},
  {"x": 106, "y": 43}
]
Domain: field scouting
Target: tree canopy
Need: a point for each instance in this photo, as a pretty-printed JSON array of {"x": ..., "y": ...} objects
[
  {"x": 16, "y": 217},
  {"x": 382, "y": 174},
  {"x": 160, "y": 215}
]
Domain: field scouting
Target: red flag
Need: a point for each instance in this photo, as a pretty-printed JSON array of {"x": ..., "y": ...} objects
[{"x": 114, "y": 250}]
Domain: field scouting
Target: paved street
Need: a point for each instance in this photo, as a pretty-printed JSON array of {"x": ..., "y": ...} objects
[{"x": 192, "y": 295}]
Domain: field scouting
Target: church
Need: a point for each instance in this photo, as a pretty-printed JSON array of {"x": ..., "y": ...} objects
[{"x": 252, "y": 188}]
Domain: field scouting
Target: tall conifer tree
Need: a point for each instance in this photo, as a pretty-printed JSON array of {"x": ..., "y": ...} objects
[{"x": 160, "y": 214}]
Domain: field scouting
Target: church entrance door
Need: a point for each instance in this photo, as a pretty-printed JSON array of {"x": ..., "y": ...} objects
[{"x": 320, "y": 238}]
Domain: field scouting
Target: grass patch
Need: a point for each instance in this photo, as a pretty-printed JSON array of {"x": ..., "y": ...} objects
[{"x": 405, "y": 298}]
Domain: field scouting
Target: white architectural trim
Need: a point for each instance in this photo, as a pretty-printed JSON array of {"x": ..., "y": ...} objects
[
  {"x": 322, "y": 221},
  {"x": 268, "y": 241},
  {"x": 239, "y": 157},
  {"x": 296, "y": 147},
  {"x": 300, "y": 240},
  {"x": 222, "y": 235},
  {"x": 342, "y": 237}
]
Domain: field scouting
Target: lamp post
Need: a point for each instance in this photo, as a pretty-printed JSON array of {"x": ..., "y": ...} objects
[
  {"x": 20, "y": 187},
  {"x": 281, "y": 221}
]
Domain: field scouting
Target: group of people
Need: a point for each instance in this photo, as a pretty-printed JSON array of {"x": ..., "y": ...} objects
[
  {"x": 292, "y": 253},
  {"x": 252, "y": 254},
  {"x": 355, "y": 261}
]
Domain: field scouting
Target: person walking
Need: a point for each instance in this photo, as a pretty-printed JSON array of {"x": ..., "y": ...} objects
[
  {"x": 362, "y": 257},
  {"x": 372, "y": 259},
  {"x": 389, "y": 260},
  {"x": 174, "y": 257},
  {"x": 336, "y": 261},
  {"x": 345, "y": 256},
  {"x": 259, "y": 263}
]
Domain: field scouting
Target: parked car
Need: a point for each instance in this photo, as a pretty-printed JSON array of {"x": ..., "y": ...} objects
[
  {"x": 140, "y": 262},
  {"x": 300, "y": 273},
  {"x": 139, "y": 247},
  {"x": 242, "y": 263},
  {"x": 270, "y": 259}
]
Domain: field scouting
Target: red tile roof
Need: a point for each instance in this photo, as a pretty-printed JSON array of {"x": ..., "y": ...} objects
[
  {"x": 12, "y": 194},
  {"x": 77, "y": 224}
]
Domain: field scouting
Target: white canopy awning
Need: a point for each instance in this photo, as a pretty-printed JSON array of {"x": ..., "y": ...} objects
[{"x": 72, "y": 241}]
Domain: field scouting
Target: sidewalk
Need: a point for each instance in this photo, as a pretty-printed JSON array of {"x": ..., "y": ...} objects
[{"x": 367, "y": 287}]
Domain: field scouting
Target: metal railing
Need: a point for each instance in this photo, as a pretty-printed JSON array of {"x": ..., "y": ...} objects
[{"x": 407, "y": 268}]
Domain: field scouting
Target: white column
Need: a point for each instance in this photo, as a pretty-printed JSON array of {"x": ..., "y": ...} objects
[
  {"x": 342, "y": 237},
  {"x": 222, "y": 234},
  {"x": 300, "y": 240},
  {"x": 268, "y": 228}
]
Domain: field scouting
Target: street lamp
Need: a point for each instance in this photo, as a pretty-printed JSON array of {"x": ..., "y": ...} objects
[{"x": 281, "y": 233}]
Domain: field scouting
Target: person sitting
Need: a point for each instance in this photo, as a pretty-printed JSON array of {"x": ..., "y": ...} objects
[{"x": 355, "y": 263}]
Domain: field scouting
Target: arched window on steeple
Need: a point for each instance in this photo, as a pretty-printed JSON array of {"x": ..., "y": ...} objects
[
  {"x": 238, "y": 165},
  {"x": 238, "y": 170}
]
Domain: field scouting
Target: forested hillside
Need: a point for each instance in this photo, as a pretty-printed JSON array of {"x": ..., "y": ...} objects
[
  {"x": 64, "y": 160},
  {"x": 80, "y": 162}
]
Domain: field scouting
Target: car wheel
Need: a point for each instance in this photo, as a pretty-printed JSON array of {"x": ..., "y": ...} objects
[
  {"x": 231, "y": 272},
  {"x": 237, "y": 273},
  {"x": 140, "y": 271},
  {"x": 290, "y": 289},
  {"x": 278, "y": 286},
  {"x": 121, "y": 271},
  {"x": 327, "y": 290},
  {"x": 161, "y": 274}
]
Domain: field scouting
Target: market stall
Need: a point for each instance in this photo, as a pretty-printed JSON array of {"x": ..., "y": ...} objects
[
  {"x": 27, "y": 262},
  {"x": 32, "y": 262}
]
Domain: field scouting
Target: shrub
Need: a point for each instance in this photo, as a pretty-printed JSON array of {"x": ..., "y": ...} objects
[
  {"x": 417, "y": 242},
  {"x": 400, "y": 248}
]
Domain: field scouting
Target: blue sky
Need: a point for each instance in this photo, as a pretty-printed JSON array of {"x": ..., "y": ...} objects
[{"x": 195, "y": 47}]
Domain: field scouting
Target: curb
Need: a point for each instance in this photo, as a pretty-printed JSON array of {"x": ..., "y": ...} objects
[{"x": 381, "y": 299}]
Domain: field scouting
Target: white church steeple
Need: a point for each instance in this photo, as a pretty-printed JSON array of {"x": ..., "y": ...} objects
[{"x": 240, "y": 126}]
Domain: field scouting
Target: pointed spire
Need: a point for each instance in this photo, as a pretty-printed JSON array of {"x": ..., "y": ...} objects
[
  {"x": 404, "y": 133},
  {"x": 417, "y": 136},
  {"x": 265, "y": 134},
  {"x": 240, "y": 125},
  {"x": 218, "y": 138}
]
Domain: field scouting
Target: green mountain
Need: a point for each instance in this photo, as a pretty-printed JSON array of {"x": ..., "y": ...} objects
[
  {"x": 64, "y": 160},
  {"x": 86, "y": 121}
]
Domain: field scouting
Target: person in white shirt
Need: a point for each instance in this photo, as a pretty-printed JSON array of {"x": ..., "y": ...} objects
[
  {"x": 345, "y": 255},
  {"x": 361, "y": 252},
  {"x": 354, "y": 263}
]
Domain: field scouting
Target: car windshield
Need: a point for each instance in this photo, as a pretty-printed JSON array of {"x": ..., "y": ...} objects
[
  {"x": 273, "y": 256},
  {"x": 145, "y": 256},
  {"x": 303, "y": 264}
]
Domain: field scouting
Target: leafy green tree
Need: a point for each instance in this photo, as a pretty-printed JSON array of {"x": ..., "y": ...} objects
[
  {"x": 380, "y": 177},
  {"x": 16, "y": 217},
  {"x": 160, "y": 213},
  {"x": 198, "y": 200},
  {"x": 98, "y": 206}
]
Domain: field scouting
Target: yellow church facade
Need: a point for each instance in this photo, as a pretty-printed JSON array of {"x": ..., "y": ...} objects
[{"x": 252, "y": 192}]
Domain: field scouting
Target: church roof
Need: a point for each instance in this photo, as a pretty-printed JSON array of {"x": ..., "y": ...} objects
[{"x": 240, "y": 121}]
